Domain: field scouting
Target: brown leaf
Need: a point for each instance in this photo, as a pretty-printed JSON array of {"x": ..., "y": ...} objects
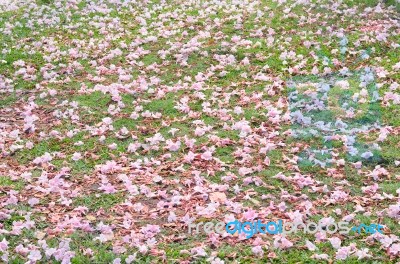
[{"x": 219, "y": 197}]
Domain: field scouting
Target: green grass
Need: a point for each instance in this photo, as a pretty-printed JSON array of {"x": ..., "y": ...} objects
[
  {"x": 95, "y": 32},
  {"x": 94, "y": 202}
]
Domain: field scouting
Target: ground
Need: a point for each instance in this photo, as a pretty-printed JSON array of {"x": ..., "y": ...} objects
[{"x": 123, "y": 123}]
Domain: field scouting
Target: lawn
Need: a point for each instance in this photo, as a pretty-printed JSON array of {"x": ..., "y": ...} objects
[{"x": 125, "y": 123}]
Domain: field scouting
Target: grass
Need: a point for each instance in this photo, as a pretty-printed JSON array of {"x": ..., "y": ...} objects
[
  {"x": 213, "y": 88},
  {"x": 94, "y": 202},
  {"x": 6, "y": 181}
]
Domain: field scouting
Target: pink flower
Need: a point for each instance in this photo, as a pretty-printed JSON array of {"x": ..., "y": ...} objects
[
  {"x": 133, "y": 147},
  {"x": 138, "y": 207},
  {"x": 310, "y": 246},
  {"x": 217, "y": 261},
  {"x": 198, "y": 252},
  {"x": 116, "y": 261},
  {"x": 199, "y": 131},
  {"x": 244, "y": 171},
  {"x": 394, "y": 249},
  {"x": 335, "y": 242},
  {"x": 363, "y": 253},
  {"x": 285, "y": 243},
  {"x": 206, "y": 155},
  {"x": 33, "y": 201},
  {"x": 3, "y": 245},
  {"x": 250, "y": 215},
  {"x": 130, "y": 258},
  {"x": 173, "y": 146},
  {"x": 282, "y": 243},
  {"x": 29, "y": 145},
  {"x": 189, "y": 157},
  {"x": 245, "y": 61},
  {"x": 267, "y": 161},
  {"x": 107, "y": 121},
  {"x": 76, "y": 156},
  {"x": 321, "y": 256},
  {"x": 43, "y": 159},
  {"x": 34, "y": 256},
  {"x": 173, "y": 131},
  {"x": 258, "y": 251},
  {"x": 108, "y": 188},
  {"x": 189, "y": 142},
  {"x": 172, "y": 217},
  {"x": 343, "y": 253},
  {"x": 88, "y": 252},
  {"x": 109, "y": 167},
  {"x": 394, "y": 211},
  {"x": 112, "y": 146},
  {"x": 339, "y": 195},
  {"x": 20, "y": 249},
  {"x": 150, "y": 230}
]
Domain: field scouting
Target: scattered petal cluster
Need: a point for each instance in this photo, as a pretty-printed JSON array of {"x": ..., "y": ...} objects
[{"x": 125, "y": 122}]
